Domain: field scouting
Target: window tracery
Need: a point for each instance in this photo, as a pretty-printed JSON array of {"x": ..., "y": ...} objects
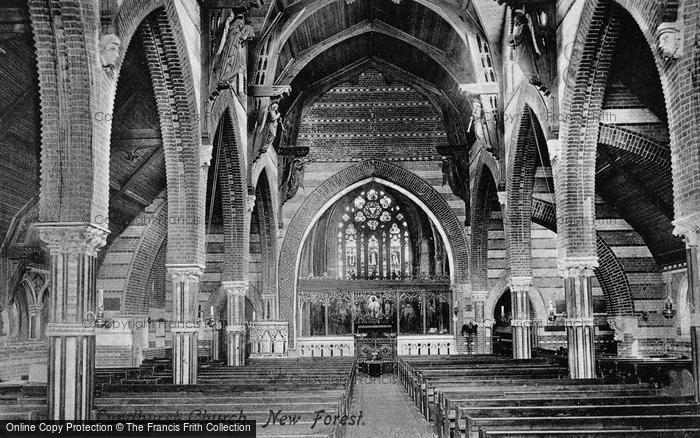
[{"x": 374, "y": 240}]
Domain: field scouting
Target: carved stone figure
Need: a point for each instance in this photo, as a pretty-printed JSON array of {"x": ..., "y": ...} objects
[
  {"x": 229, "y": 59},
  {"x": 292, "y": 178},
  {"x": 109, "y": 51},
  {"x": 669, "y": 39},
  {"x": 526, "y": 49},
  {"x": 456, "y": 177},
  {"x": 271, "y": 125},
  {"x": 477, "y": 125}
]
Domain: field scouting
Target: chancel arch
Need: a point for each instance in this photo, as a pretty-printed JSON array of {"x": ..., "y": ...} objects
[{"x": 345, "y": 181}]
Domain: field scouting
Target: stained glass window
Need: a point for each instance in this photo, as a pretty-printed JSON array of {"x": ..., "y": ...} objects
[{"x": 375, "y": 243}]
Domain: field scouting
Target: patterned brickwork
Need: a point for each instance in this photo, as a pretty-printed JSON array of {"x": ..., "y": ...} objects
[
  {"x": 586, "y": 82},
  {"x": 174, "y": 92},
  {"x": 647, "y": 149},
  {"x": 232, "y": 177},
  {"x": 73, "y": 88},
  {"x": 519, "y": 186},
  {"x": 372, "y": 118},
  {"x": 484, "y": 196},
  {"x": 129, "y": 261},
  {"x": 680, "y": 86}
]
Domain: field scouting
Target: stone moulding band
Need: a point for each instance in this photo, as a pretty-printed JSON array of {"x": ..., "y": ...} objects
[
  {"x": 184, "y": 329},
  {"x": 68, "y": 329},
  {"x": 579, "y": 322}
]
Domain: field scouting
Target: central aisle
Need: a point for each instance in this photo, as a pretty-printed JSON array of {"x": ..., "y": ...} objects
[{"x": 387, "y": 412}]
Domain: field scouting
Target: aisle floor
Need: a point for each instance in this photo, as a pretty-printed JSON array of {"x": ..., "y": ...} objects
[{"x": 387, "y": 410}]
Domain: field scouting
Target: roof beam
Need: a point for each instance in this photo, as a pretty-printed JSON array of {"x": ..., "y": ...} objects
[
  {"x": 373, "y": 26},
  {"x": 299, "y": 11},
  {"x": 18, "y": 109},
  {"x": 663, "y": 207}
]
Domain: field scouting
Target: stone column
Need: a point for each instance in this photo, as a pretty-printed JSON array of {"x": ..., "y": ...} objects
[
  {"x": 689, "y": 228},
  {"x": 580, "y": 331},
  {"x": 215, "y": 341},
  {"x": 185, "y": 326},
  {"x": 70, "y": 330},
  {"x": 483, "y": 335},
  {"x": 520, "y": 303},
  {"x": 235, "y": 329},
  {"x": 36, "y": 320}
]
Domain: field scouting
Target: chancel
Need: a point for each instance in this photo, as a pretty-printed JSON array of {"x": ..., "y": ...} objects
[{"x": 352, "y": 218}]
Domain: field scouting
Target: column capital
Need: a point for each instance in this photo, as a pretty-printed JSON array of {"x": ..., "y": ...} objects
[
  {"x": 486, "y": 323},
  {"x": 688, "y": 228},
  {"x": 579, "y": 322},
  {"x": 72, "y": 237},
  {"x": 521, "y": 322},
  {"x": 520, "y": 283},
  {"x": 235, "y": 287},
  {"x": 479, "y": 88},
  {"x": 35, "y": 309},
  {"x": 238, "y": 328},
  {"x": 577, "y": 266},
  {"x": 185, "y": 273}
]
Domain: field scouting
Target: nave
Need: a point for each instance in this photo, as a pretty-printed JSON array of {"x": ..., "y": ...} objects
[
  {"x": 233, "y": 205},
  {"x": 445, "y": 396}
]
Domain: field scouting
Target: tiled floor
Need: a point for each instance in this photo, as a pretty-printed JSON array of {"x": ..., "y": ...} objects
[{"x": 387, "y": 411}]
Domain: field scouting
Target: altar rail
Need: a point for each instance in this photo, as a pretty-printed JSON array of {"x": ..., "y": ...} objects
[
  {"x": 426, "y": 345},
  {"x": 326, "y": 346}
]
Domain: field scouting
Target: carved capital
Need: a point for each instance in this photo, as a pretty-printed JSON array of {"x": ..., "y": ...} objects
[
  {"x": 518, "y": 284},
  {"x": 688, "y": 228},
  {"x": 235, "y": 328},
  {"x": 669, "y": 38},
  {"x": 578, "y": 322},
  {"x": 577, "y": 266},
  {"x": 520, "y": 323},
  {"x": 235, "y": 287},
  {"x": 479, "y": 88},
  {"x": 185, "y": 273},
  {"x": 72, "y": 238},
  {"x": 35, "y": 309},
  {"x": 487, "y": 323}
]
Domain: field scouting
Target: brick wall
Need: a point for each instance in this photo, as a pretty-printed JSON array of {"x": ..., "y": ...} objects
[
  {"x": 374, "y": 117},
  {"x": 20, "y": 358}
]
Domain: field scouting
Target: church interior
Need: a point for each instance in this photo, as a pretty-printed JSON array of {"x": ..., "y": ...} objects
[{"x": 431, "y": 218}]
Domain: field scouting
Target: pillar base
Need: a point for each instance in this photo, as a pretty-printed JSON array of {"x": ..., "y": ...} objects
[
  {"x": 235, "y": 336},
  {"x": 185, "y": 355},
  {"x": 522, "y": 339},
  {"x": 580, "y": 333},
  {"x": 71, "y": 369}
]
